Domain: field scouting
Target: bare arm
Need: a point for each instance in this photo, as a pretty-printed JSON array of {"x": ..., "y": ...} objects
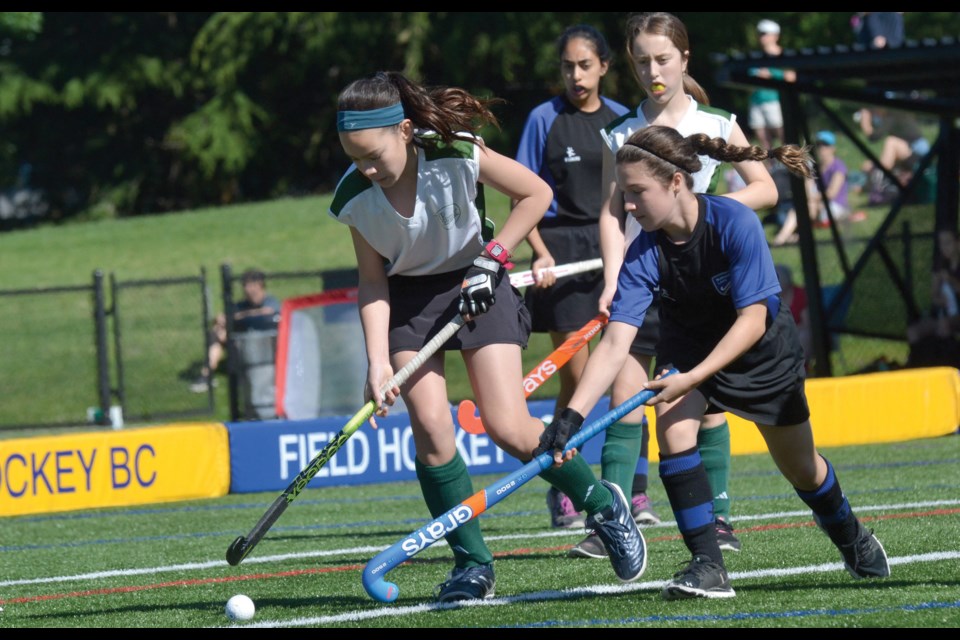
[
  {"x": 836, "y": 183},
  {"x": 602, "y": 367},
  {"x": 612, "y": 225},
  {"x": 529, "y": 191},
  {"x": 373, "y": 299},
  {"x": 542, "y": 259},
  {"x": 745, "y": 332}
]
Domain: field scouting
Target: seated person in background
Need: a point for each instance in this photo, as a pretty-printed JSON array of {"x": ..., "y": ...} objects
[
  {"x": 217, "y": 349},
  {"x": 903, "y": 147},
  {"x": 834, "y": 173},
  {"x": 259, "y": 310},
  {"x": 944, "y": 318}
]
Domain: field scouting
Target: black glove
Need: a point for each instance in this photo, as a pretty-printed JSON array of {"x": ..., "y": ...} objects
[
  {"x": 479, "y": 286},
  {"x": 559, "y": 432}
]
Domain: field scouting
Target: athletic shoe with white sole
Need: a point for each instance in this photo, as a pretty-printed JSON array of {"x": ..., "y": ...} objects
[
  {"x": 470, "y": 583},
  {"x": 563, "y": 515},
  {"x": 725, "y": 537},
  {"x": 589, "y": 547},
  {"x": 643, "y": 513},
  {"x": 865, "y": 557},
  {"x": 702, "y": 578},
  {"x": 620, "y": 535}
]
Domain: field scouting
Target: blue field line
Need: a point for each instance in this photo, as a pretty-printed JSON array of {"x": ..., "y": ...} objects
[{"x": 758, "y": 615}]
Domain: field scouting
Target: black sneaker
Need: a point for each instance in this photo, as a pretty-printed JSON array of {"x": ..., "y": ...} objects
[
  {"x": 865, "y": 557},
  {"x": 725, "y": 537},
  {"x": 471, "y": 583},
  {"x": 589, "y": 547},
  {"x": 620, "y": 535},
  {"x": 702, "y": 578}
]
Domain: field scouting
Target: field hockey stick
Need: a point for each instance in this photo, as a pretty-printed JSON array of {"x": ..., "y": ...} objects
[
  {"x": 467, "y": 411},
  {"x": 525, "y": 278},
  {"x": 243, "y": 545},
  {"x": 400, "y": 552}
]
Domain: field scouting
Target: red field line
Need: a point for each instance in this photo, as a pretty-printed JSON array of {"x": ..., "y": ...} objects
[{"x": 358, "y": 567}]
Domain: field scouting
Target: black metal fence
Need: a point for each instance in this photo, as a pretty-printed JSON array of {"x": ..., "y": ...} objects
[{"x": 115, "y": 351}]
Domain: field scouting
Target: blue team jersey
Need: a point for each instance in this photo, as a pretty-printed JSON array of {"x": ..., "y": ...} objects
[
  {"x": 726, "y": 265},
  {"x": 563, "y": 145}
]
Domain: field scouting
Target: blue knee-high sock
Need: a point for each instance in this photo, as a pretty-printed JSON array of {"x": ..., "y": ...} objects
[
  {"x": 831, "y": 509},
  {"x": 688, "y": 489}
]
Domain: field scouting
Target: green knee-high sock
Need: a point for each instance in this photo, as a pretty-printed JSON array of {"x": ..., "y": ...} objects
[
  {"x": 577, "y": 480},
  {"x": 618, "y": 460},
  {"x": 444, "y": 487},
  {"x": 714, "y": 445}
]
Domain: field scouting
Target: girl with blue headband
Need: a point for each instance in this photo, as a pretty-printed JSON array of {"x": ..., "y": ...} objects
[{"x": 413, "y": 201}]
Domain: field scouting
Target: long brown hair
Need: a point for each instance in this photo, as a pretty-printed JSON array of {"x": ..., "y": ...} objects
[
  {"x": 668, "y": 25},
  {"x": 447, "y": 111},
  {"x": 663, "y": 150}
]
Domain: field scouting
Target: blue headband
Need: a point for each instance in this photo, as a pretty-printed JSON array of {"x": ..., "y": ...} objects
[{"x": 372, "y": 119}]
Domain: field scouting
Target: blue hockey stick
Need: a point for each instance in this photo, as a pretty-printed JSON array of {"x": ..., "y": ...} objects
[{"x": 400, "y": 552}]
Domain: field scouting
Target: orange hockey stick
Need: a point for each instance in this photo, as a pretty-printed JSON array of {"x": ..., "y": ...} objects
[{"x": 467, "y": 410}]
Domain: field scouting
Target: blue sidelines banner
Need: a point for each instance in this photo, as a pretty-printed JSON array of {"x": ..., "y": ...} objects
[{"x": 266, "y": 456}]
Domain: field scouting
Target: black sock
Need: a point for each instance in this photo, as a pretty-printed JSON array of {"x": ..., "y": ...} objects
[
  {"x": 832, "y": 510},
  {"x": 691, "y": 499}
]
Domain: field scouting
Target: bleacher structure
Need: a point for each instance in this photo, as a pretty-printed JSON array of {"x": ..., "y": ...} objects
[{"x": 922, "y": 77}]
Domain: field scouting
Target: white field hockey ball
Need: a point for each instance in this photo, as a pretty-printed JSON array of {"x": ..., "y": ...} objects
[{"x": 240, "y": 608}]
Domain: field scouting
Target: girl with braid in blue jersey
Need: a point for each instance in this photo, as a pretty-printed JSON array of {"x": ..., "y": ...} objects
[
  {"x": 659, "y": 49},
  {"x": 725, "y": 329},
  {"x": 561, "y": 143},
  {"x": 413, "y": 203}
]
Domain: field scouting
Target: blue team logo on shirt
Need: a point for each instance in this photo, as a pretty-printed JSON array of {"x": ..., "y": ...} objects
[{"x": 721, "y": 282}]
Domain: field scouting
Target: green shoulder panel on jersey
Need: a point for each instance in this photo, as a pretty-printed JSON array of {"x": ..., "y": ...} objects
[
  {"x": 459, "y": 149},
  {"x": 714, "y": 110},
  {"x": 350, "y": 187},
  {"x": 616, "y": 123}
]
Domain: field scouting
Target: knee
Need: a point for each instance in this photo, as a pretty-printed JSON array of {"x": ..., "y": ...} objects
[{"x": 805, "y": 474}]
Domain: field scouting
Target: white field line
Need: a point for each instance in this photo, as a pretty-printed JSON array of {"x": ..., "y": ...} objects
[
  {"x": 373, "y": 550},
  {"x": 579, "y": 592}
]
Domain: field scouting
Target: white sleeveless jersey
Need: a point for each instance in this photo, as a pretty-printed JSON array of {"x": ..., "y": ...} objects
[
  {"x": 444, "y": 232},
  {"x": 699, "y": 118}
]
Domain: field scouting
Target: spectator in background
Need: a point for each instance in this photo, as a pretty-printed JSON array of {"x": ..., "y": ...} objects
[
  {"x": 561, "y": 143},
  {"x": 944, "y": 318},
  {"x": 255, "y": 322},
  {"x": 904, "y": 145},
  {"x": 834, "y": 173},
  {"x": 878, "y": 29},
  {"x": 766, "y": 116},
  {"x": 259, "y": 310}
]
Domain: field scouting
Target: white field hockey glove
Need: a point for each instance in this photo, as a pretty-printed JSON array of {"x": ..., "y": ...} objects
[{"x": 477, "y": 294}]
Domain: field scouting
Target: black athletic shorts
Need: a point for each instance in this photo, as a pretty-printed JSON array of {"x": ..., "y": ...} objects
[
  {"x": 420, "y": 306},
  {"x": 573, "y": 300},
  {"x": 765, "y": 385}
]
